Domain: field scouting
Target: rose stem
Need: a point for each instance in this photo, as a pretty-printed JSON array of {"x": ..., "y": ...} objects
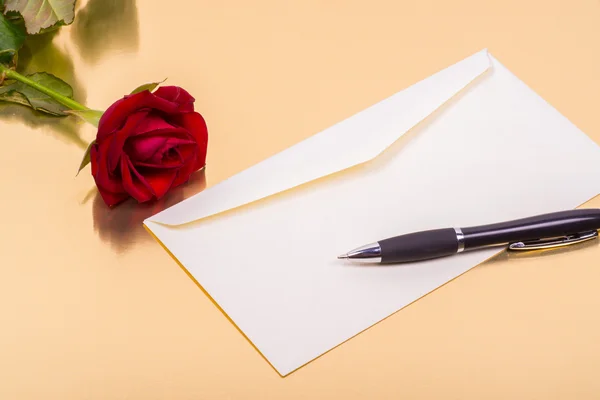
[{"x": 64, "y": 100}]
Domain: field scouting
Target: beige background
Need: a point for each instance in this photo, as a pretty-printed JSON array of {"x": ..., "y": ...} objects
[{"x": 92, "y": 308}]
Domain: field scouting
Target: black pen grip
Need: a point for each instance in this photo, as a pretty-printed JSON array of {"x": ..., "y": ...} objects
[
  {"x": 419, "y": 246},
  {"x": 533, "y": 228}
]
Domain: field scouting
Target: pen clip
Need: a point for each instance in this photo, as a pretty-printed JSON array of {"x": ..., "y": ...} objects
[{"x": 553, "y": 242}]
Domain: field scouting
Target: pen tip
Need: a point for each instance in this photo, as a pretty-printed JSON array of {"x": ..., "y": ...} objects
[{"x": 343, "y": 256}]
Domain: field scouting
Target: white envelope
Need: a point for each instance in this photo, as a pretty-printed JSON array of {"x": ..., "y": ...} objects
[{"x": 482, "y": 148}]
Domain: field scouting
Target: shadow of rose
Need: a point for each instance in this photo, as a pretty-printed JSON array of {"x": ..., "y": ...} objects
[
  {"x": 122, "y": 227},
  {"x": 64, "y": 129},
  {"x": 103, "y": 26}
]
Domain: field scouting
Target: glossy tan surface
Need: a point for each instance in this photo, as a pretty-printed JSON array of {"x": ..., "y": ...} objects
[{"x": 93, "y": 308}]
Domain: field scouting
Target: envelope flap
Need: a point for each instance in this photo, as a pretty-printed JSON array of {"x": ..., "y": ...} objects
[{"x": 350, "y": 142}]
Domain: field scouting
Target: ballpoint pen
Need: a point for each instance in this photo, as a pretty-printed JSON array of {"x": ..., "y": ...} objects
[{"x": 537, "y": 232}]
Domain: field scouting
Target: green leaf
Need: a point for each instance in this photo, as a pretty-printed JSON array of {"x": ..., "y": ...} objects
[
  {"x": 86, "y": 157},
  {"x": 43, "y": 14},
  {"x": 21, "y": 93},
  {"x": 12, "y": 37},
  {"x": 148, "y": 86},
  {"x": 91, "y": 116},
  {"x": 16, "y": 97}
]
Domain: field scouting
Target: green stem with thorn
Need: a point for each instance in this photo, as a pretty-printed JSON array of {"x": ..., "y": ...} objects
[{"x": 65, "y": 101}]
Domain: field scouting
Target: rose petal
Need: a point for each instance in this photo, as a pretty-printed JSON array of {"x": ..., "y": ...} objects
[
  {"x": 104, "y": 177},
  {"x": 114, "y": 117},
  {"x": 118, "y": 139},
  {"x": 144, "y": 148},
  {"x": 178, "y": 132},
  {"x": 169, "y": 164},
  {"x": 104, "y": 180},
  {"x": 133, "y": 182},
  {"x": 177, "y": 95},
  {"x": 150, "y": 149},
  {"x": 195, "y": 124},
  {"x": 176, "y": 161},
  {"x": 187, "y": 152},
  {"x": 152, "y": 123},
  {"x": 184, "y": 173},
  {"x": 161, "y": 181},
  {"x": 180, "y": 153}
]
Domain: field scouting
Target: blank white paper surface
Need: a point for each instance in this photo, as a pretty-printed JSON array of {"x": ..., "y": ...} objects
[{"x": 494, "y": 152}]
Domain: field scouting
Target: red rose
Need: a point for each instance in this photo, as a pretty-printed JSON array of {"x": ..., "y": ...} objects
[{"x": 148, "y": 143}]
